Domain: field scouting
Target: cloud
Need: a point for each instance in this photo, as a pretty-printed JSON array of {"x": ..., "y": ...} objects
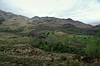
[
  {"x": 87, "y": 11},
  {"x": 83, "y": 10},
  {"x": 39, "y": 7}
]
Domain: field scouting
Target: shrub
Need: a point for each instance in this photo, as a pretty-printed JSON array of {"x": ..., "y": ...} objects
[
  {"x": 1, "y": 19},
  {"x": 93, "y": 48}
]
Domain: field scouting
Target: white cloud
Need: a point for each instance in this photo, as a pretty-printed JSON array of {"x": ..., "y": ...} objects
[{"x": 40, "y": 7}]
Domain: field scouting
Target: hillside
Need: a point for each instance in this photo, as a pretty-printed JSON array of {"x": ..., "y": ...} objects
[
  {"x": 12, "y": 20},
  {"x": 97, "y": 26},
  {"x": 7, "y": 16},
  {"x": 47, "y": 41}
]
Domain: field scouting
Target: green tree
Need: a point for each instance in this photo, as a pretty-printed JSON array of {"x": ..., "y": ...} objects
[
  {"x": 1, "y": 19},
  {"x": 98, "y": 34},
  {"x": 93, "y": 48}
]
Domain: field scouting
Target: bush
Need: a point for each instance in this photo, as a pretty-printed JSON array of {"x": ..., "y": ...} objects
[
  {"x": 1, "y": 19},
  {"x": 93, "y": 49},
  {"x": 48, "y": 41}
]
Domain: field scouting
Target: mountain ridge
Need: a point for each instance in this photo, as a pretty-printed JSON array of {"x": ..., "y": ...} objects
[{"x": 19, "y": 22}]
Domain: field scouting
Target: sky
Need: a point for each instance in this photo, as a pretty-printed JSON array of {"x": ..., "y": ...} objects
[{"x": 87, "y": 11}]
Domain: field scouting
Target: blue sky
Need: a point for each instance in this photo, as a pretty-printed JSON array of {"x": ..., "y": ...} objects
[{"x": 87, "y": 11}]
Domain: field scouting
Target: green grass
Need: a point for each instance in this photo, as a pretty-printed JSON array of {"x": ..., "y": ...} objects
[
  {"x": 14, "y": 41},
  {"x": 11, "y": 38}
]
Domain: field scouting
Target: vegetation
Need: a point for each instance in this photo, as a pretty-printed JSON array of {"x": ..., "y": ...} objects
[
  {"x": 83, "y": 45},
  {"x": 1, "y": 19},
  {"x": 92, "y": 49},
  {"x": 47, "y": 41},
  {"x": 20, "y": 49}
]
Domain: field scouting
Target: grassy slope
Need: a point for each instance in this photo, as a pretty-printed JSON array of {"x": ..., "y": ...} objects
[{"x": 16, "y": 50}]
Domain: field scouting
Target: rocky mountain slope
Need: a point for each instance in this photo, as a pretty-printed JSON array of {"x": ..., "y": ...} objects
[
  {"x": 22, "y": 23},
  {"x": 40, "y": 20},
  {"x": 97, "y": 26},
  {"x": 56, "y": 22}
]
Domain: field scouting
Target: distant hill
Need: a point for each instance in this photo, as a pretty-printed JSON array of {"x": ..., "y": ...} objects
[
  {"x": 56, "y": 22},
  {"x": 97, "y": 26},
  {"x": 13, "y": 22}
]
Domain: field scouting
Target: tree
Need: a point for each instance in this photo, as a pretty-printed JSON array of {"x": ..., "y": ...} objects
[
  {"x": 98, "y": 34},
  {"x": 93, "y": 49},
  {"x": 1, "y": 19}
]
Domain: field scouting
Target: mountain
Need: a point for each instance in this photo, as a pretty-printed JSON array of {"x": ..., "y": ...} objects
[
  {"x": 58, "y": 22},
  {"x": 13, "y": 22},
  {"x": 97, "y": 26},
  {"x": 6, "y": 15}
]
